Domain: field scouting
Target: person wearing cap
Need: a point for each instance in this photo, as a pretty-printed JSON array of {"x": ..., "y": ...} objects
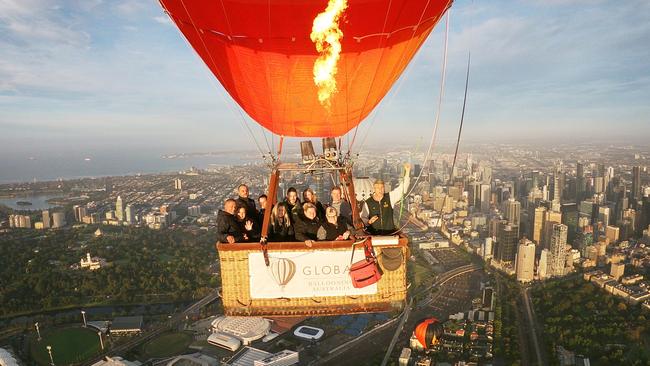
[{"x": 377, "y": 211}]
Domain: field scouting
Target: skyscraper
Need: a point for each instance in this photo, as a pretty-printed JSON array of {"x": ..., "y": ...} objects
[
  {"x": 538, "y": 224},
  {"x": 119, "y": 209},
  {"x": 558, "y": 184},
  {"x": 506, "y": 242},
  {"x": 557, "y": 250},
  {"x": 636, "y": 183},
  {"x": 485, "y": 197},
  {"x": 525, "y": 261},
  {"x": 79, "y": 212},
  {"x": 580, "y": 181},
  {"x": 58, "y": 220},
  {"x": 603, "y": 215},
  {"x": 543, "y": 266},
  {"x": 47, "y": 221},
  {"x": 512, "y": 211},
  {"x": 178, "y": 184},
  {"x": 129, "y": 214}
]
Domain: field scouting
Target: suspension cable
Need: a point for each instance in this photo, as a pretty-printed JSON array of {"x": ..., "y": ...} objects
[
  {"x": 396, "y": 66},
  {"x": 460, "y": 130},
  {"x": 441, "y": 94}
]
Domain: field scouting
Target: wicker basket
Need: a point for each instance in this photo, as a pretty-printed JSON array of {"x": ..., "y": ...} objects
[{"x": 390, "y": 295}]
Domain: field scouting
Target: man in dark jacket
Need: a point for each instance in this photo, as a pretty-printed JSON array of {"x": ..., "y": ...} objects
[
  {"x": 244, "y": 201},
  {"x": 377, "y": 212},
  {"x": 307, "y": 226},
  {"x": 342, "y": 206},
  {"x": 228, "y": 230},
  {"x": 293, "y": 205},
  {"x": 260, "y": 215}
]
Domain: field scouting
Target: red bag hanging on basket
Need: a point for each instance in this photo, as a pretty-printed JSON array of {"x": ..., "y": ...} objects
[{"x": 366, "y": 271}]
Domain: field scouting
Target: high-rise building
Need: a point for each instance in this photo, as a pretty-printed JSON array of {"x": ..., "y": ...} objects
[
  {"x": 506, "y": 242},
  {"x": 119, "y": 209},
  {"x": 47, "y": 221},
  {"x": 178, "y": 184},
  {"x": 569, "y": 211},
  {"x": 617, "y": 270},
  {"x": 558, "y": 184},
  {"x": 79, "y": 212},
  {"x": 603, "y": 215},
  {"x": 20, "y": 221},
  {"x": 474, "y": 194},
  {"x": 485, "y": 197},
  {"x": 487, "y": 248},
  {"x": 129, "y": 212},
  {"x": 580, "y": 181},
  {"x": 194, "y": 211},
  {"x": 525, "y": 261},
  {"x": 612, "y": 233},
  {"x": 543, "y": 265},
  {"x": 636, "y": 183},
  {"x": 512, "y": 212},
  {"x": 538, "y": 224},
  {"x": 599, "y": 184},
  {"x": 58, "y": 220},
  {"x": 558, "y": 250}
]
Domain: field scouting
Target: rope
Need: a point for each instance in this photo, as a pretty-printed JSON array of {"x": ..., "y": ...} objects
[
  {"x": 214, "y": 66},
  {"x": 460, "y": 130},
  {"x": 441, "y": 95},
  {"x": 415, "y": 29}
]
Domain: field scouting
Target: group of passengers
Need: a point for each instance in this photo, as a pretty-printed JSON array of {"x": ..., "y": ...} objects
[
  {"x": 291, "y": 219},
  {"x": 307, "y": 220}
]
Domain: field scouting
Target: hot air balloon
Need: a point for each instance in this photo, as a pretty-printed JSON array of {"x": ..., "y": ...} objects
[
  {"x": 262, "y": 53},
  {"x": 282, "y": 270},
  {"x": 306, "y": 68},
  {"x": 428, "y": 332}
]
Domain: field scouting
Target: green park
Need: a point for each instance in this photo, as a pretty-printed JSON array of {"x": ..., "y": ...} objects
[{"x": 68, "y": 345}]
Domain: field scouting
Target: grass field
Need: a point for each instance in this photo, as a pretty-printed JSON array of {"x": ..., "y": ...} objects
[
  {"x": 168, "y": 344},
  {"x": 69, "y": 345}
]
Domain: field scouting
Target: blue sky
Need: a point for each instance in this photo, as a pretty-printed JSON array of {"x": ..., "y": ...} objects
[{"x": 93, "y": 74}]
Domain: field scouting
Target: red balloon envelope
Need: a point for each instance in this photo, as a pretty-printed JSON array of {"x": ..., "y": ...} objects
[
  {"x": 261, "y": 52},
  {"x": 428, "y": 332}
]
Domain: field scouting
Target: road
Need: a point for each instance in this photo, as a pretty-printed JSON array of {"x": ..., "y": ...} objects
[
  {"x": 532, "y": 326},
  {"x": 175, "y": 319},
  {"x": 442, "y": 279}
]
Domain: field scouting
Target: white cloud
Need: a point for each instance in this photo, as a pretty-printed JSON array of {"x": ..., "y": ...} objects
[{"x": 163, "y": 19}]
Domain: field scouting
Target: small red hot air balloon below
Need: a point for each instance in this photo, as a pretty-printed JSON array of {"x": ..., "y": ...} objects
[{"x": 429, "y": 332}]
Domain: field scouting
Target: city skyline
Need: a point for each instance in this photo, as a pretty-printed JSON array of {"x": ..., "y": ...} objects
[{"x": 88, "y": 74}]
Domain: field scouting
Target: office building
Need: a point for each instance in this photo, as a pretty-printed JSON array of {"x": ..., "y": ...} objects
[
  {"x": 512, "y": 211},
  {"x": 119, "y": 209},
  {"x": 538, "y": 224},
  {"x": 525, "y": 269},
  {"x": 636, "y": 183},
  {"x": 58, "y": 220},
  {"x": 506, "y": 242},
  {"x": 542, "y": 266},
  {"x": 617, "y": 270},
  {"x": 79, "y": 212},
  {"x": 47, "y": 221},
  {"x": 129, "y": 214},
  {"x": 558, "y": 250}
]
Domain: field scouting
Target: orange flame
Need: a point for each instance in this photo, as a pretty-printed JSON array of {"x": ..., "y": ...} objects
[{"x": 326, "y": 35}]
